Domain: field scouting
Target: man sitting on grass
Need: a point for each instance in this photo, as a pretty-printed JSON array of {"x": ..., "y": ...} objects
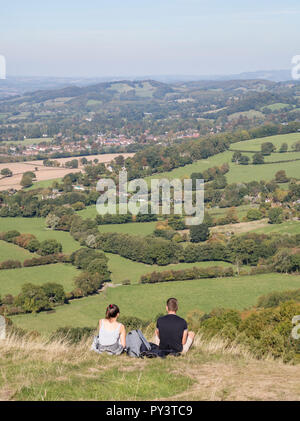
[{"x": 171, "y": 332}]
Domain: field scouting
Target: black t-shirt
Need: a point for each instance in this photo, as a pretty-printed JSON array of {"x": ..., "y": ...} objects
[{"x": 171, "y": 328}]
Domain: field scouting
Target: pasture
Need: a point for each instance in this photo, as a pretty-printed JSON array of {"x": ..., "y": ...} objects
[
  {"x": 37, "y": 227},
  {"x": 122, "y": 268},
  {"x": 11, "y": 280},
  {"x": 146, "y": 301},
  {"x": 255, "y": 144},
  {"x": 27, "y": 142},
  {"x": 9, "y": 251},
  {"x": 240, "y": 173}
]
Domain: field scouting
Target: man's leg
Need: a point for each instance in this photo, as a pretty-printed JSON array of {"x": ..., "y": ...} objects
[{"x": 189, "y": 342}]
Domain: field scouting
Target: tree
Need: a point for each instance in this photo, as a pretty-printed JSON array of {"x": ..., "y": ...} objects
[
  {"x": 54, "y": 292},
  {"x": 283, "y": 148},
  {"x": 254, "y": 215},
  {"x": 6, "y": 172},
  {"x": 26, "y": 181},
  {"x": 281, "y": 177},
  {"x": 296, "y": 146},
  {"x": 33, "y": 245},
  {"x": 50, "y": 247},
  {"x": 275, "y": 215},
  {"x": 236, "y": 157},
  {"x": 244, "y": 160},
  {"x": 199, "y": 233},
  {"x": 267, "y": 148},
  {"x": 52, "y": 221},
  {"x": 258, "y": 159},
  {"x": 32, "y": 298}
]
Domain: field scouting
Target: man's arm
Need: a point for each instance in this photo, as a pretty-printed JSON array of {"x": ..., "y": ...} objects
[
  {"x": 157, "y": 332},
  {"x": 184, "y": 336}
]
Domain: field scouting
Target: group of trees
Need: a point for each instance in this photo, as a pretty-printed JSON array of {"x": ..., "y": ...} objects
[
  {"x": 186, "y": 274},
  {"x": 33, "y": 298},
  {"x": 30, "y": 242}
]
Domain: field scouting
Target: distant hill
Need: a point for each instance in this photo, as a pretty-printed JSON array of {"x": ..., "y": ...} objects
[{"x": 18, "y": 85}]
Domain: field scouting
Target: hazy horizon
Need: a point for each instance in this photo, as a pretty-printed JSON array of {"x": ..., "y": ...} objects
[{"x": 173, "y": 37}]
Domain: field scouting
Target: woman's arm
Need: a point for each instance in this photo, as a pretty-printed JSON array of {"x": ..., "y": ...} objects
[{"x": 123, "y": 336}]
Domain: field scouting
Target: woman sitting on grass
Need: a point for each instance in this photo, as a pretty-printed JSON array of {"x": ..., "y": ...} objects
[{"x": 112, "y": 335}]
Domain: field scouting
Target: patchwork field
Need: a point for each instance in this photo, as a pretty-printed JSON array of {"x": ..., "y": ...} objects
[
  {"x": 46, "y": 173},
  {"x": 36, "y": 226},
  {"x": 11, "y": 280},
  {"x": 146, "y": 301},
  {"x": 242, "y": 173}
]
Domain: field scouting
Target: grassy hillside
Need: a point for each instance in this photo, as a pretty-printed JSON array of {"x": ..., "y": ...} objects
[
  {"x": 37, "y": 227},
  {"x": 255, "y": 144},
  {"x": 240, "y": 173},
  {"x": 146, "y": 301},
  {"x": 38, "y": 370},
  {"x": 11, "y": 280}
]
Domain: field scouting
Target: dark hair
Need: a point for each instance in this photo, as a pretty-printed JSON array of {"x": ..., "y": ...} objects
[
  {"x": 172, "y": 304},
  {"x": 112, "y": 311}
]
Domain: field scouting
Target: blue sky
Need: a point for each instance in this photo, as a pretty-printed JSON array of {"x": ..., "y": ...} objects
[{"x": 147, "y": 37}]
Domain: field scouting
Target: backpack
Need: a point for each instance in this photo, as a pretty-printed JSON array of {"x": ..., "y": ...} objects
[{"x": 136, "y": 343}]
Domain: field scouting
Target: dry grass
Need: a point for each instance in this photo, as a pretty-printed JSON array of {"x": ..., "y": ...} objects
[
  {"x": 217, "y": 370},
  {"x": 241, "y": 227}
]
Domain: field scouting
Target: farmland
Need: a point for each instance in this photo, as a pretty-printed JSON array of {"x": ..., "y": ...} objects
[
  {"x": 255, "y": 144},
  {"x": 36, "y": 226},
  {"x": 11, "y": 280},
  {"x": 45, "y": 173},
  {"x": 11, "y": 251},
  {"x": 146, "y": 301},
  {"x": 123, "y": 269}
]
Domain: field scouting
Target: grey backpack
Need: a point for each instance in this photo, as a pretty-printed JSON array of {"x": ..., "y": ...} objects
[{"x": 136, "y": 343}]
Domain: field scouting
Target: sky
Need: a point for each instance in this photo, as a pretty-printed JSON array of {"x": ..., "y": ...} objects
[{"x": 95, "y": 38}]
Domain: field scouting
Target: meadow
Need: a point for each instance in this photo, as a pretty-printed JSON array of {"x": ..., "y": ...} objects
[
  {"x": 37, "y": 227},
  {"x": 242, "y": 173},
  {"x": 277, "y": 140},
  {"x": 146, "y": 301},
  {"x": 123, "y": 269},
  {"x": 9, "y": 251},
  {"x": 29, "y": 141},
  {"x": 11, "y": 280}
]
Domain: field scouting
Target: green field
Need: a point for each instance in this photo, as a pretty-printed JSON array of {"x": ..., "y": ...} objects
[
  {"x": 11, "y": 280},
  {"x": 251, "y": 114},
  {"x": 290, "y": 227},
  {"x": 277, "y": 106},
  {"x": 146, "y": 301},
  {"x": 255, "y": 144},
  {"x": 9, "y": 251},
  {"x": 30, "y": 141},
  {"x": 241, "y": 211},
  {"x": 36, "y": 226},
  {"x": 43, "y": 184},
  {"x": 238, "y": 173},
  {"x": 134, "y": 228},
  {"x": 122, "y": 268}
]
